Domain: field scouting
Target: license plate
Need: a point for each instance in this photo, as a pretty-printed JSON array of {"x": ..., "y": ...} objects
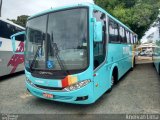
[{"x": 46, "y": 95}]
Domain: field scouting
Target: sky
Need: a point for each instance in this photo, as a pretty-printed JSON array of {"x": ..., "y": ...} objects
[
  {"x": 13, "y": 8},
  {"x": 149, "y": 32}
]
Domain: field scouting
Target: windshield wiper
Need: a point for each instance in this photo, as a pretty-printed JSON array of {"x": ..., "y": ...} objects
[
  {"x": 55, "y": 52},
  {"x": 35, "y": 56}
]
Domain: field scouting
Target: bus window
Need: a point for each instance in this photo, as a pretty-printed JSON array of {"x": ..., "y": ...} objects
[
  {"x": 4, "y": 30},
  {"x": 135, "y": 39},
  {"x": 122, "y": 34},
  {"x": 99, "y": 47},
  {"x": 7, "y": 30},
  {"x": 131, "y": 37},
  {"x": 113, "y": 31},
  {"x": 127, "y": 36},
  {"x": 20, "y": 37}
]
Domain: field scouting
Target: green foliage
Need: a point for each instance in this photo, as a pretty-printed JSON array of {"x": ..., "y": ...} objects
[
  {"x": 136, "y": 14},
  {"x": 21, "y": 20}
]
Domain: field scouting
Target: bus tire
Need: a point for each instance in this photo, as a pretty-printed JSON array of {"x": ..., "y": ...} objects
[
  {"x": 153, "y": 64},
  {"x": 114, "y": 78},
  {"x": 112, "y": 83},
  {"x": 134, "y": 64},
  {"x": 115, "y": 74}
]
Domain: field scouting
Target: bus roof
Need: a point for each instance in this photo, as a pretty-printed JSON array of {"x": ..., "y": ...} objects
[
  {"x": 82, "y": 5},
  {"x": 10, "y": 22}
]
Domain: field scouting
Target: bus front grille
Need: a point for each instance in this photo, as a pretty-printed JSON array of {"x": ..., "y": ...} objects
[{"x": 48, "y": 88}]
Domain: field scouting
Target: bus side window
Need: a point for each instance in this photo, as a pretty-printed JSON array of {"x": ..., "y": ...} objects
[
  {"x": 122, "y": 35},
  {"x": 128, "y": 37},
  {"x": 21, "y": 37},
  {"x": 6, "y": 30},
  {"x": 133, "y": 39},
  {"x": 113, "y": 32},
  {"x": 99, "y": 47}
]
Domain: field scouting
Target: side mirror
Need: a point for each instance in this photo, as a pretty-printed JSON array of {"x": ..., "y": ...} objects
[
  {"x": 97, "y": 31},
  {"x": 18, "y": 47}
]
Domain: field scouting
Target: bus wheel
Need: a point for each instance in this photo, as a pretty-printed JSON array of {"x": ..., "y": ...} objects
[
  {"x": 153, "y": 64},
  {"x": 114, "y": 78},
  {"x": 112, "y": 83},
  {"x": 134, "y": 64}
]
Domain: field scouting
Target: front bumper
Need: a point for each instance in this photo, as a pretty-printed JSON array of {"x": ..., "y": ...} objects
[{"x": 85, "y": 92}]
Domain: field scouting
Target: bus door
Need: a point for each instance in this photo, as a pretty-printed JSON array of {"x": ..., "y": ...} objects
[{"x": 99, "y": 57}]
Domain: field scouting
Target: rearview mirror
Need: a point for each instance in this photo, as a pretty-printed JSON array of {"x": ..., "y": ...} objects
[
  {"x": 98, "y": 32},
  {"x": 18, "y": 46}
]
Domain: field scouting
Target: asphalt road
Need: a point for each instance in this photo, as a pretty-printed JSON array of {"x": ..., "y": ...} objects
[{"x": 137, "y": 92}]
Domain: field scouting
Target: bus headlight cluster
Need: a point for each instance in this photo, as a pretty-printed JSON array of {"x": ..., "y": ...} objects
[
  {"x": 30, "y": 82},
  {"x": 77, "y": 85}
]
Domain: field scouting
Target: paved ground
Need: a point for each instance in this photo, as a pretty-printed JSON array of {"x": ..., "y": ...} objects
[{"x": 137, "y": 92}]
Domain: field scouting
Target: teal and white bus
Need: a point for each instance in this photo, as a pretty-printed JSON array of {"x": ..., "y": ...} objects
[
  {"x": 9, "y": 62},
  {"x": 75, "y": 54}
]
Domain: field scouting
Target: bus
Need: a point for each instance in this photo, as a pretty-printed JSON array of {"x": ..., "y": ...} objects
[
  {"x": 9, "y": 62},
  {"x": 75, "y": 54}
]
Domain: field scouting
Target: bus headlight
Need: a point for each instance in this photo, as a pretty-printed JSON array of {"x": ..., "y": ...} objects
[
  {"x": 30, "y": 82},
  {"x": 77, "y": 85}
]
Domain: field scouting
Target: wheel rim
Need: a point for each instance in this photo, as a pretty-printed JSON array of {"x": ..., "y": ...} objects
[{"x": 112, "y": 81}]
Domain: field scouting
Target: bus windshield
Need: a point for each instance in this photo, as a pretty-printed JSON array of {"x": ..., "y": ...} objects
[{"x": 58, "y": 41}]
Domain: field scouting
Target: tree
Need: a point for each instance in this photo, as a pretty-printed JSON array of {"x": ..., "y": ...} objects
[{"x": 21, "y": 20}]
